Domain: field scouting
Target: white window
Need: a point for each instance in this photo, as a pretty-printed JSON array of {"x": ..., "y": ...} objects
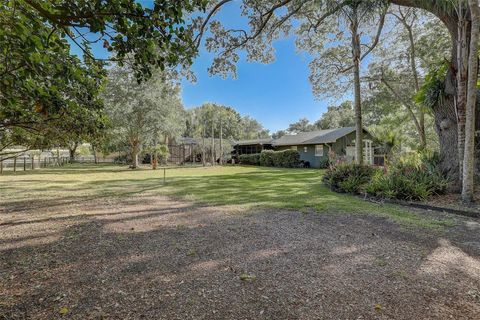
[
  {"x": 319, "y": 150},
  {"x": 368, "y": 152},
  {"x": 305, "y": 149},
  {"x": 294, "y": 148}
]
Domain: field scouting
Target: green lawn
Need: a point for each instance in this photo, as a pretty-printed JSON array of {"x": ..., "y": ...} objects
[{"x": 299, "y": 189}]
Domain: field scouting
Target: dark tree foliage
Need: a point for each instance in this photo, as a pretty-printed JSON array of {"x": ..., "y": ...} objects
[{"x": 41, "y": 82}]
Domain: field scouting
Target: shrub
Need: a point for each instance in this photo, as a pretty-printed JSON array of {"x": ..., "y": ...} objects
[
  {"x": 324, "y": 163},
  {"x": 266, "y": 158},
  {"x": 122, "y": 159},
  {"x": 252, "y": 159},
  {"x": 269, "y": 158},
  {"x": 348, "y": 177},
  {"x": 277, "y": 159},
  {"x": 408, "y": 182},
  {"x": 289, "y": 158},
  {"x": 412, "y": 177}
]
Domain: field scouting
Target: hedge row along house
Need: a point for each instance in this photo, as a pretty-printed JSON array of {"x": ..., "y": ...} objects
[{"x": 316, "y": 147}]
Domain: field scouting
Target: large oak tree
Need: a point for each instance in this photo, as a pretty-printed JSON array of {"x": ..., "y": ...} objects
[{"x": 270, "y": 20}]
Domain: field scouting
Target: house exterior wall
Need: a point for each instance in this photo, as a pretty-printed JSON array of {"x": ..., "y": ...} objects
[
  {"x": 339, "y": 147},
  {"x": 309, "y": 155}
]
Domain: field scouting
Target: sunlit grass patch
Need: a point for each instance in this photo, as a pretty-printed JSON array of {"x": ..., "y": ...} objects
[{"x": 250, "y": 187}]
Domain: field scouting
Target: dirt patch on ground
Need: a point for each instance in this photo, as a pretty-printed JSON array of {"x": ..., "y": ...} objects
[{"x": 156, "y": 258}]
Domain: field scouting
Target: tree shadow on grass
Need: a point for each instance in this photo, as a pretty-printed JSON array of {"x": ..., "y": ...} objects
[{"x": 299, "y": 189}]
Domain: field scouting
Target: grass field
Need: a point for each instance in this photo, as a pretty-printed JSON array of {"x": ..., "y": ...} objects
[
  {"x": 299, "y": 189},
  {"x": 233, "y": 242}
]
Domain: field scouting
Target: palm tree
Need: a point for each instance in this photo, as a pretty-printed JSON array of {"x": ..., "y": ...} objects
[{"x": 357, "y": 12}]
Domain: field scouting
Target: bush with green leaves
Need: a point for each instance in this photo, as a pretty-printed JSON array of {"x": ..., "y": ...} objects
[
  {"x": 289, "y": 158},
  {"x": 251, "y": 159},
  {"x": 409, "y": 181},
  {"x": 324, "y": 163},
  {"x": 266, "y": 158},
  {"x": 277, "y": 159},
  {"x": 348, "y": 177},
  {"x": 270, "y": 158},
  {"x": 413, "y": 177}
]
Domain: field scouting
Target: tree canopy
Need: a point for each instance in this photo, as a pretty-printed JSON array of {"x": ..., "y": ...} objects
[
  {"x": 41, "y": 81},
  {"x": 145, "y": 114}
]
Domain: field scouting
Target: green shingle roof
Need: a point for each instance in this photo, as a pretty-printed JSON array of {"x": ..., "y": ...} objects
[
  {"x": 313, "y": 137},
  {"x": 254, "y": 142}
]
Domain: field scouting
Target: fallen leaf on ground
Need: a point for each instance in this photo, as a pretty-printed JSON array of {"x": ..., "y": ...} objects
[{"x": 63, "y": 311}]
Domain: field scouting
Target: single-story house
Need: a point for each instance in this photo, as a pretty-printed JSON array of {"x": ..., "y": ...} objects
[
  {"x": 315, "y": 146},
  {"x": 252, "y": 146}
]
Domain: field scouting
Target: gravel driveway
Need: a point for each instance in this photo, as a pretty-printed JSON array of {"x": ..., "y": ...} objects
[{"x": 158, "y": 258}]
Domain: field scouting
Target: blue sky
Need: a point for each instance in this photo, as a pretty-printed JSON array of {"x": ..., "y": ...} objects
[{"x": 275, "y": 94}]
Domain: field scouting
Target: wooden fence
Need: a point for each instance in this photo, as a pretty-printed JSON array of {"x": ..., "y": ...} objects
[{"x": 30, "y": 163}]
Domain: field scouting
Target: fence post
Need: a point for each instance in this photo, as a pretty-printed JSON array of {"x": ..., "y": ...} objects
[
  {"x": 1, "y": 165},
  {"x": 164, "y": 172},
  {"x": 15, "y": 164},
  {"x": 32, "y": 163},
  {"x": 24, "y": 163}
]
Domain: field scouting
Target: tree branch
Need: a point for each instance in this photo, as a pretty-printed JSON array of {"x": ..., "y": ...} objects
[
  {"x": 405, "y": 102},
  {"x": 198, "y": 38},
  {"x": 374, "y": 43}
]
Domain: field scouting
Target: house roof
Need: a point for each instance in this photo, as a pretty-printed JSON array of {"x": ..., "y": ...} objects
[
  {"x": 314, "y": 137},
  {"x": 254, "y": 142}
]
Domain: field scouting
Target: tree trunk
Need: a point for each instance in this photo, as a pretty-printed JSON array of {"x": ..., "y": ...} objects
[
  {"x": 71, "y": 151},
  {"x": 166, "y": 142},
  {"x": 356, "y": 53},
  {"x": 446, "y": 128},
  {"x": 462, "y": 78},
  {"x": 445, "y": 116},
  {"x": 445, "y": 111},
  {"x": 94, "y": 151},
  {"x": 423, "y": 136},
  {"x": 154, "y": 158},
  {"x": 203, "y": 146},
  {"x": 469, "y": 155},
  {"x": 134, "y": 152},
  {"x": 213, "y": 144},
  {"x": 154, "y": 155},
  {"x": 221, "y": 147},
  {"x": 477, "y": 139}
]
